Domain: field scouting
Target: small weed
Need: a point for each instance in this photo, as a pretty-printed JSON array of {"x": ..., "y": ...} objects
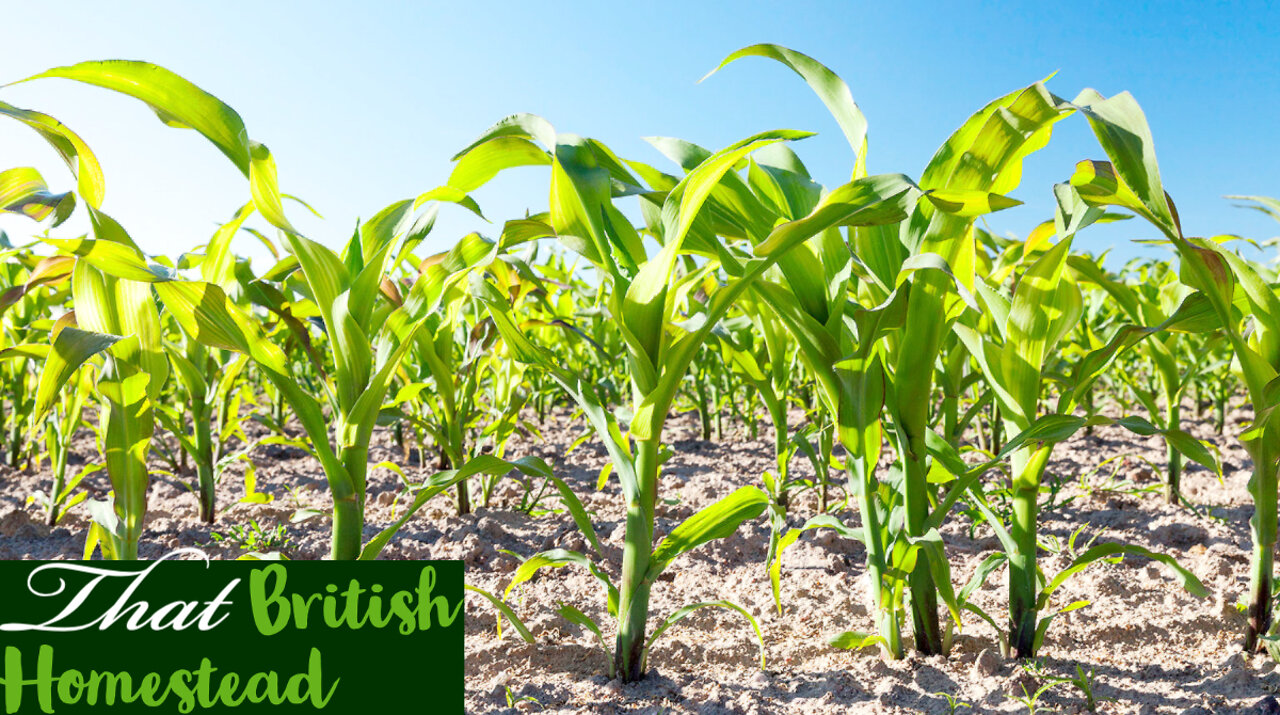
[{"x": 254, "y": 537}]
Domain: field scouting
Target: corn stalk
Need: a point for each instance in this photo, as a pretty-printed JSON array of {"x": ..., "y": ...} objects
[{"x": 1131, "y": 179}]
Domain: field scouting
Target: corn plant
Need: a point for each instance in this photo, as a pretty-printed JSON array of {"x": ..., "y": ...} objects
[
  {"x": 451, "y": 365},
  {"x": 984, "y": 155},
  {"x": 1150, "y": 302},
  {"x": 134, "y": 370},
  {"x": 642, "y": 293},
  {"x": 345, "y": 288},
  {"x": 65, "y": 418},
  {"x": 197, "y": 415},
  {"x": 129, "y": 381},
  {"x": 920, "y": 274},
  {"x": 206, "y": 314},
  {"x": 1246, "y": 307},
  {"x": 35, "y": 304},
  {"x": 764, "y": 366},
  {"x": 26, "y": 311},
  {"x": 1044, "y": 308},
  {"x": 1217, "y": 379}
]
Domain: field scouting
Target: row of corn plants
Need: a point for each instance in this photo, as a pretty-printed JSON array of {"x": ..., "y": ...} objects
[{"x": 923, "y": 368}]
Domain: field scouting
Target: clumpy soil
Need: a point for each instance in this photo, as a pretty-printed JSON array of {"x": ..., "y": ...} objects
[{"x": 1152, "y": 647}]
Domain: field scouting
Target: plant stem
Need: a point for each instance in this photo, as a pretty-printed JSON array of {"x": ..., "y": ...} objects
[
  {"x": 950, "y": 419},
  {"x": 58, "y": 461},
  {"x": 704, "y": 411},
  {"x": 348, "y": 529},
  {"x": 1028, "y": 466},
  {"x": 633, "y": 592},
  {"x": 1220, "y": 410},
  {"x": 1173, "y": 458},
  {"x": 15, "y": 425},
  {"x": 204, "y": 461},
  {"x": 924, "y": 592},
  {"x": 886, "y": 613},
  {"x": 1263, "y": 524},
  {"x": 1173, "y": 485},
  {"x": 464, "y": 494},
  {"x": 348, "y": 507}
]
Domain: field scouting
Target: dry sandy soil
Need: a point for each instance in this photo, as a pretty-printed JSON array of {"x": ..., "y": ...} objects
[{"x": 1152, "y": 647}]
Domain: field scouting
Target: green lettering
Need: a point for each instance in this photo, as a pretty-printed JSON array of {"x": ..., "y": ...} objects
[
  {"x": 180, "y": 684},
  {"x": 403, "y": 611},
  {"x": 375, "y": 615},
  {"x": 14, "y": 683},
  {"x": 351, "y": 611},
  {"x": 113, "y": 681},
  {"x": 227, "y": 690},
  {"x": 70, "y": 687},
  {"x": 148, "y": 688},
  {"x": 315, "y": 681},
  {"x": 260, "y": 687},
  {"x": 331, "y": 607},
  {"x": 427, "y": 584},
  {"x": 302, "y": 609},
  {"x": 204, "y": 677},
  {"x": 261, "y": 603}
]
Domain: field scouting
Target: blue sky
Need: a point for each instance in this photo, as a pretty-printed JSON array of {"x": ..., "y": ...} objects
[{"x": 363, "y": 104}]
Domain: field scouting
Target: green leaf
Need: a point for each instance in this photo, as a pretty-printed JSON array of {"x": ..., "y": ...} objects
[
  {"x": 1048, "y": 429},
  {"x": 643, "y": 307},
  {"x": 477, "y": 166},
  {"x": 968, "y": 203},
  {"x": 573, "y": 615},
  {"x": 219, "y": 263},
  {"x": 440, "y": 481},
  {"x": 832, "y": 90},
  {"x": 559, "y": 558},
  {"x": 265, "y": 188},
  {"x": 685, "y": 611},
  {"x": 1102, "y": 551},
  {"x": 74, "y": 152},
  {"x": 716, "y": 521},
  {"x": 854, "y": 640},
  {"x": 115, "y": 259},
  {"x": 1194, "y": 449},
  {"x": 176, "y": 101},
  {"x": 23, "y": 192},
  {"x": 71, "y": 348},
  {"x": 821, "y": 521},
  {"x": 516, "y": 125},
  {"x": 1122, "y": 130},
  {"x": 205, "y": 313},
  {"x": 578, "y": 512},
  {"x": 504, "y": 610}
]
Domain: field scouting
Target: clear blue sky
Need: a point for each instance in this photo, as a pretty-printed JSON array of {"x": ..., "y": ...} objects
[{"x": 364, "y": 103}]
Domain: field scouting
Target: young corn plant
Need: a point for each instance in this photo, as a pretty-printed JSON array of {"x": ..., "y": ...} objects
[
  {"x": 65, "y": 418},
  {"x": 1245, "y": 305},
  {"x": 448, "y": 366},
  {"x": 641, "y": 293},
  {"x": 129, "y": 381},
  {"x": 1044, "y": 308},
  {"x": 29, "y": 300},
  {"x": 1151, "y": 302},
  {"x": 197, "y": 415},
  {"x": 921, "y": 274},
  {"x": 764, "y": 366},
  {"x": 107, "y": 308},
  {"x": 38, "y": 286},
  {"x": 345, "y": 288},
  {"x": 983, "y": 158}
]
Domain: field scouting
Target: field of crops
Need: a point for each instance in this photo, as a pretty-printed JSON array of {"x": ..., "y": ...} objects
[{"x": 709, "y": 436}]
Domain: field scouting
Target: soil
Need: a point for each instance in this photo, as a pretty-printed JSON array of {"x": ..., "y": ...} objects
[{"x": 1152, "y": 647}]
